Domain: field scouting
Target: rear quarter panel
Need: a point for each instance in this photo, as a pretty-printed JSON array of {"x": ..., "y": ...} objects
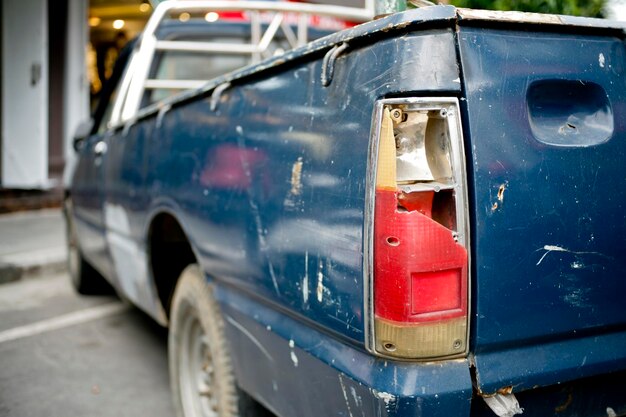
[{"x": 270, "y": 188}]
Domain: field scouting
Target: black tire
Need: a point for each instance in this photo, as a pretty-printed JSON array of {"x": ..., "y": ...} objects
[
  {"x": 85, "y": 279},
  {"x": 201, "y": 372}
]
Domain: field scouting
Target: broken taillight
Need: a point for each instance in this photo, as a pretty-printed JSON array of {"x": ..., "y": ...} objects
[{"x": 418, "y": 253}]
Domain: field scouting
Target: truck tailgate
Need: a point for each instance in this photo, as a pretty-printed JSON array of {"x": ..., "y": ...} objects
[{"x": 546, "y": 137}]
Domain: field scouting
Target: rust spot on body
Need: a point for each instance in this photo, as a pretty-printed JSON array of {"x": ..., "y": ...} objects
[
  {"x": 296, "y": 177},
  {"x": 566, "y": 404},
  {"x": 501, "y": 193},
  {"x": 506, "y": 390}
]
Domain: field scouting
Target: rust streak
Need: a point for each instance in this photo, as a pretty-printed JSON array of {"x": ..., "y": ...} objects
[{"x": 566, "y": 404}]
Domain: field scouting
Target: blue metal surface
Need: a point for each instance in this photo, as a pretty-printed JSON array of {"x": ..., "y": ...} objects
[
  {"x": 299, "y": 245},
  {"x": 228, "y": 176},
  {"x": 300, "y": 371},
  {"x": 549, "y": 223},
  {"x": 295, "y": 245},
  {"x": 270, "y": 190}
]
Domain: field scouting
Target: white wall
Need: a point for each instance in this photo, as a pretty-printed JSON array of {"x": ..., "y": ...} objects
[{"x": 25, "y": 94}]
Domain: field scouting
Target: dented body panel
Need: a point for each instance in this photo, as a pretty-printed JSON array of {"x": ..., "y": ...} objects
[
  {"x": 548, "y": 248},
  {"x": 270, "y": 174}
]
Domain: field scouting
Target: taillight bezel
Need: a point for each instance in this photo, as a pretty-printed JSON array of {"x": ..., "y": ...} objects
[{"x": 450, "y": 106}]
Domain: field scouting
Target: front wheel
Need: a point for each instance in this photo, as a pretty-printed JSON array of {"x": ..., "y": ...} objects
[
  {"x": 201, "y": 371},
  {"x": 85, "y": 279}
]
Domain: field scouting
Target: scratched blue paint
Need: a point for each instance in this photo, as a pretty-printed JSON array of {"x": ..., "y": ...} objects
[
  {"x": 270, "y": 190},
  {"x": 548, "y": 255}
]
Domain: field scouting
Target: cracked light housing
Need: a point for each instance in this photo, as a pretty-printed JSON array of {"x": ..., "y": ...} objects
[{"x": 419, "y": 281}]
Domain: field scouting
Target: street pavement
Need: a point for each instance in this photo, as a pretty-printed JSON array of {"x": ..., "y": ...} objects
[
  {"x": 67, "y": 355},
  {"x": 31, "y": 243}
]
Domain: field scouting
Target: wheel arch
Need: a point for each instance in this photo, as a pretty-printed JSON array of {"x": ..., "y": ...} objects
[{"x": 169, "y": 252}]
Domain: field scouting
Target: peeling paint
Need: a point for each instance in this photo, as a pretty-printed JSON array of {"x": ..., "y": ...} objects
[
  {"x": 504, "y": 405},
  {"x": 292, "y": 199},
  {"x": 385, "y": 396},
  {"x": 345, "y": 395},
  {"x": 296, "y": 177},
  {"x": 294, "y": 359},
  {"x": 509, "y": 16},
  {"x": 305, "y": 280},
  {"x": 320, "y": 281},
  {"x": 357, "y": 399},
  {"x": 601, "y": 60},
  {"x": 129, "y": 258}
]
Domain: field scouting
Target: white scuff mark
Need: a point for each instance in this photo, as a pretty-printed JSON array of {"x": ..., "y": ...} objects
[
  {"x": 261, "y": 232},
  {"x": 305, "y": 280},
  {"x": 555, "y": 248},
  {"x": 345, "y": 395},
  {"x": 577, "y": 298},
  {"x": 129, "y": 257},
  {"x": 239, "y": 130},
  {"x": 385, "y": 396},
  {"x": 296, "y": 177},
  {"x": 457, "y": 80},
  {"x": 357, "y": 399},
  {"x": 610, "y": 412},
  {"x": 551, "y": 248},
  {"x": 294, "y": 359},
  {"x": 395, "y": 377},
  {"x": 504, "y": 405},
  {"x": 577, "y": 265},
  {"x": 601, "y": 60},
  {"x": 268, "y": 328},
  {"x": 320, "y": 281},
  {"x": 249, "y": 336},
  {"x": 273, "y": 275}
]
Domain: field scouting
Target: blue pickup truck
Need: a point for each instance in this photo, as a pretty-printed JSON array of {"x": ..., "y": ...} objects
[{"x": 422, "y": 215}]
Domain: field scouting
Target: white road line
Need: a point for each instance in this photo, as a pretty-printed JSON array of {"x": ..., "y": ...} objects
[{"x": 66, "y": 320}]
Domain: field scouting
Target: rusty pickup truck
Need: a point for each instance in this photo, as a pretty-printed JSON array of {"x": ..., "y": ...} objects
[{"x": 420, "y": 215}]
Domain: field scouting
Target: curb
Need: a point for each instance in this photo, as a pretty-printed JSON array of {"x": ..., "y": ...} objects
[{"x": 32, "y": 265}]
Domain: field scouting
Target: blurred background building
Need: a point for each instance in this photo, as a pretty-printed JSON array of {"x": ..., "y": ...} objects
[{"x": 55, "y": 56}]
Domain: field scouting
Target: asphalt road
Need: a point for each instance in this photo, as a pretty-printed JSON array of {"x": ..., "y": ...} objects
[{"x": 67, "y": 355}]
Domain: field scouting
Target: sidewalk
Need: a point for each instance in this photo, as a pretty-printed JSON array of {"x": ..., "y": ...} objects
[{"x": 31, "y": 243}]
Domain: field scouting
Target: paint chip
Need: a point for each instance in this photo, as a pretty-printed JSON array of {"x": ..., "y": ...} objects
[{"x": 294, "y": 359}]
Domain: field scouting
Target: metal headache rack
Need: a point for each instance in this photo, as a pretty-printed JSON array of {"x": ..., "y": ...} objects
[{"x": 266, "y": 21}]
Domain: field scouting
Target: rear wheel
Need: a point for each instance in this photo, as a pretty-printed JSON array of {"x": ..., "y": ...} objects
[{"x": 201, "y": 372}]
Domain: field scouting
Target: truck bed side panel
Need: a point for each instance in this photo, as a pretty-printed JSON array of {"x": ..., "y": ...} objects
[{"x": 270, "y": 188}]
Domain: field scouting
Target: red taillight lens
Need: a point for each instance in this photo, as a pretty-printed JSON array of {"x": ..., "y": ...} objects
[
  {"x": 438, "y": 292},
  {"x": 420, "y": 278}
]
